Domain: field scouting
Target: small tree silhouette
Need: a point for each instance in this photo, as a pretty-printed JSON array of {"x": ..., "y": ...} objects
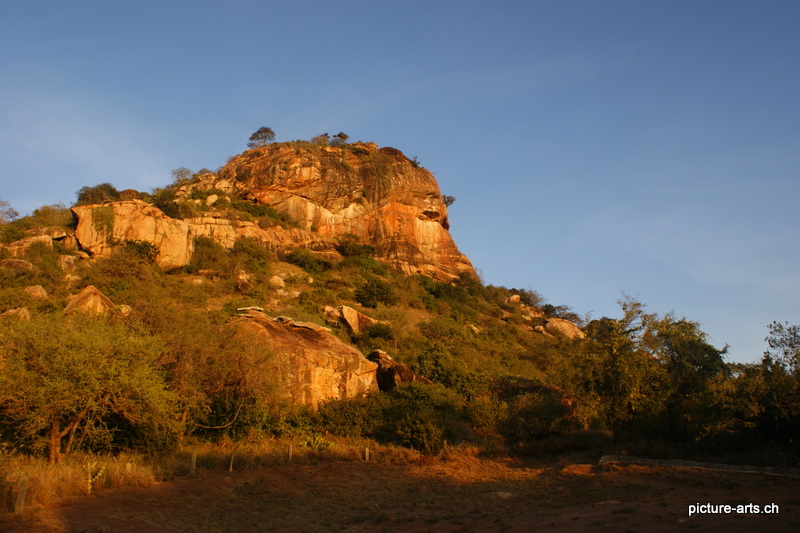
[{"x": 262, "y": 137}]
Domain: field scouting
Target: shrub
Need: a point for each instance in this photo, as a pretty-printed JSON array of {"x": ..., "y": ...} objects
[
  {"x": 99, "y": 194},
  {"x": 144, "y": 249},
  {"x": 252, "y": 255},
  {"x": 349, "y": 246},
  {"x": 308, "y": 261},
  {"x": 535, "y": 415},
  {"x": 208, "y": 254},
  {"x": 265, "y": 215},
  {"x": 375, "y": 291}
]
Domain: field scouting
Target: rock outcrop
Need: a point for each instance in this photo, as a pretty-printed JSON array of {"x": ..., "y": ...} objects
[
  {"x": 391, "y": 374},
  {"x": 561, "y": 326},
  {"x": 101, "y": 227},
  {"x": 89, "y": 301},
  {"x": 37, "y": 292},
  {"x": 313, "y": 365},
  {"x": 20, "y": 313},
  {"x": 354, "y": 320},
  {"x": 18, "y": 248},
  {"x": 379, "y": 195},
  {"x": 18, "y": 264}
]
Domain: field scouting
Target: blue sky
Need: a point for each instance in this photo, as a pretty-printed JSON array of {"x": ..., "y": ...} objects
[{"x": 594, "y": 147}]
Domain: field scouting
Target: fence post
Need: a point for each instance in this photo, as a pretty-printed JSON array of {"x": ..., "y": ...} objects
[
  {"x": 22, "y": 491},
  {"x": 193, "y": 465}
]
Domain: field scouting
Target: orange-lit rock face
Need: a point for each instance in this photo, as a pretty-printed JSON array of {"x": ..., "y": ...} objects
[
  {"x": 311, "y": 364},
  {"x": 376, "y": 194}
]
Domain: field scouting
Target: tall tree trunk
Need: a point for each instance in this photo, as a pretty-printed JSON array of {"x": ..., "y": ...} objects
[{"x": 54, "y": 451}]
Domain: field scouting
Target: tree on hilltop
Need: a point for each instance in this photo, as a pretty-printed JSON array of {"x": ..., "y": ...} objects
[
  {"x": 99, "y": 194},
  {"x": 7, "y": 213},
  {"x": 339, "y": 139},
  {"x": 262, "y": 137}
]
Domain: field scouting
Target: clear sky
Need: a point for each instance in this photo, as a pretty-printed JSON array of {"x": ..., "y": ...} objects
[{"x": 594, "y": 147}]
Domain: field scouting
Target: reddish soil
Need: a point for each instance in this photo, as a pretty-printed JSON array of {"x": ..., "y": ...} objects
[{"x": 461, "y": 493}]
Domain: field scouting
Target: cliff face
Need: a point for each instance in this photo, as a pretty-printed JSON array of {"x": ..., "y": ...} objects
[
  {"x": 376, "y": 194},
  {"x": 101, "y": 227}
]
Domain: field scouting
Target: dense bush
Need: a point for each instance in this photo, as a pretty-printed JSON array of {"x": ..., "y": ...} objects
[
  {"x": 419, "y": 416},
  {"x": 252, "y": 255},
  {"x": 308, "y": 261},
  {"x": 99, "y": 194},
  {"x": 375, "y": 291}
]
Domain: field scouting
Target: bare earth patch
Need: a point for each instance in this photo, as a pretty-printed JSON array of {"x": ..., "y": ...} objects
[{"x": 461, "y": 492}]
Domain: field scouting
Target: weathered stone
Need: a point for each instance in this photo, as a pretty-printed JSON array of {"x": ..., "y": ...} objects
[
  {"x": 561, "y": 326},
  {"x": 20, "y": 313},
  {"x": 354, "y": 320},
  {"x": 513, "y": 299},
  {"x": 89, "y": 301},
  {"x": 18, "y": 264},
  {"x": 313, "y": 365},
  {"x": 37, "y": 292},
  {"x": 376, "y": 194},
  {"x": 242, "y": 285},
  {"x": 390, "y": 374},
  {"x": 101, "y": 226},
  {"x": 18, "y": 248},
  {"x": 67, "y": 262},
  {"x": 69, "y": 242},
  {"x": 70, "y": 280},
  {"x": 277, "y": 282}
]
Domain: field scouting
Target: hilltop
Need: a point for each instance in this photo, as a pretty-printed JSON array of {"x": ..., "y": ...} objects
[{"x": 376, "y": 196}]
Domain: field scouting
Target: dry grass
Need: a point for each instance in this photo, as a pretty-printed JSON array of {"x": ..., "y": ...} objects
[{"x": 47, "y": 483}]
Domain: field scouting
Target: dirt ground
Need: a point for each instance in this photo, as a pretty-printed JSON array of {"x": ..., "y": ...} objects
[{"x": 461, "y": 493}]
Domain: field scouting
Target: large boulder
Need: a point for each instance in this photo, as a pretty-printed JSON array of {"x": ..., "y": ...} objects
[
  {"x": 101, "y": 227},
  {"x": 90, "y": 301},
  {"x": 18, "y": 248},
  {"x": 20, "y": 313},
  {"x": 37, "y": 292},
  {"x": 312, "y": 364},
  {"x": 391, "y": 374},
  {"x": 19, "y": 265},
  {"x": 354, "y": 320},
  {"x": 561, "y": 326}
]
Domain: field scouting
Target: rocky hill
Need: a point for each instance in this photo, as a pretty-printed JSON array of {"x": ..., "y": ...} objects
[{"x": 376, "y": 194}]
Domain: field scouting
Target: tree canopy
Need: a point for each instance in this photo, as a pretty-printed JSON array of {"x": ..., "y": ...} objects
[{"x": 262, "y": 137}]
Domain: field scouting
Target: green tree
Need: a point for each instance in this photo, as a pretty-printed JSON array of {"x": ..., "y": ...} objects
[
  {"x": 262, "y": 137},
  {"x": 181, "y": 176},
  {"x": 64, "y": 376},
  {"x": 784, "y": 345},
  {"x": 339, "y": 139},
  {"x": 322, "y": 140},
  {"x": 99, "y": 194},
  {"x": 7, "y": 213},
  {"x": 375, "y": 291}
]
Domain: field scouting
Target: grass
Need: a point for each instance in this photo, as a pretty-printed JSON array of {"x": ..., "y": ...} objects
[{"x": 53, "y": 483}]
